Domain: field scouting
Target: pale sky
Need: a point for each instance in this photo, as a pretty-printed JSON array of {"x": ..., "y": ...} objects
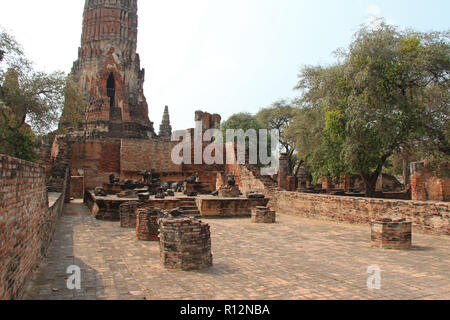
[{"x": 220, "y": 56}]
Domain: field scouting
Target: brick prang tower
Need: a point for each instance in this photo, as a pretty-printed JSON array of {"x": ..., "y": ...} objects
[{"x": 108, "y": 71}]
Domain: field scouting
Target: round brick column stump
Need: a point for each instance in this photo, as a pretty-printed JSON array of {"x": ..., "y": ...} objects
[
  {"x": 128, "y": 214},
  {"x": 147, "y": 228},
  {"x": 263, "y": 215},
  {"x": 393, "y": 234},
  {"x": 185, "y": 244}
]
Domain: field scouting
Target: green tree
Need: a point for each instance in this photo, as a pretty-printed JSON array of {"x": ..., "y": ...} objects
[
  {"x": 374, "y": 101},
  {"x": 31, "y": 101},
  {"x": 280, "y": 116},
  {"x": 74, "y": 106},
  {"x": 245, "y": 121}
]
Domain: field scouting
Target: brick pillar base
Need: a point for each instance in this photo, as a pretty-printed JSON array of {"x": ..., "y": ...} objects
[
  {"x": 263, "y": 215},
  {"x": 185, "y": 244},
  {"x": 392, "y": 234},
  {"x": 147, "y": 228},
  {"x": 128, "y": 214}
]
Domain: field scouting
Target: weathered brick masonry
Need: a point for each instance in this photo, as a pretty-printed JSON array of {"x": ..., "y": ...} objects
[
  {"x": 427, "y": 185},
  {"x": 27, "y": 222},
  {"x": 263, "y": 215},
  {"x": 146, "y": 224},
  {"x": 391, "y": 234},
  {"x": 427, "y": 217},
  {"x": 128, "y": 214},
  {"x": 185, "y": 244}
]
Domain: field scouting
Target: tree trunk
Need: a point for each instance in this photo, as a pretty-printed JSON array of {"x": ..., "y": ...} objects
[
  {"x": 290, "y": 168},
  {"x": 370, "y": 180},
  {"x": 370, "y": 183},
  {"x": 406, "y": 169}
]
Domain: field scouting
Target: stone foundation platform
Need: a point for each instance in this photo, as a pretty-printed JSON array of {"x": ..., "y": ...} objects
[
  {"x": 108, "y": 208},
  {"x": 393, "y": 234},
  {"x": 185, "y": 244},
  {"x": 228, "y": 207}
]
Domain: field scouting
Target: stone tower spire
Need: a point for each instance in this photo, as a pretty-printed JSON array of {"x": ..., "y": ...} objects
[
  {"x": 111, "y": 21},
  {"x": 165, "y": 129},
  {"x": 108, "y": 71}
]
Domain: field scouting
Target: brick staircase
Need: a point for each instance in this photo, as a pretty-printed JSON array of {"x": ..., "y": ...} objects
[
  {"x": 268, "y": 182},
  {"x": 189, "y": 207}
]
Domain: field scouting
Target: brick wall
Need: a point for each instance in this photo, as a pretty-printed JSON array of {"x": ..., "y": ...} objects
[
  {"x": 427, "y": 217},
  {"x": 27, "y": 222},
  {"x": 96, "y": 159},
  {"x": 248, "y": 178},
  {"x": 77, "y": 187},
  {"x": 427, "y": 185},
  {"x": 143, "y": 155}
]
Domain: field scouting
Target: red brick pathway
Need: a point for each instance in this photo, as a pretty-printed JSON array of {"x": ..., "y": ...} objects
[{"x": 294, "y": 259}]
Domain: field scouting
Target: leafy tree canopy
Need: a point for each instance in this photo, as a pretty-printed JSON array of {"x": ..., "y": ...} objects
[
  {"x": 31, "y": 100},
  {"x": 280, "y": 116},
  {"x": 388, "y": 91}
]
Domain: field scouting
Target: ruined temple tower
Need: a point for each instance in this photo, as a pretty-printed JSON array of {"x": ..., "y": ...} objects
[
  {"x": 165, "y": 129},
  {"x": 108, "y": 71}
]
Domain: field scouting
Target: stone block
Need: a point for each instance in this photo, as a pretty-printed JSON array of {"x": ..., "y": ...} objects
[
  {"x": 263, "y": 215},
  {"x": 391, "y": 234},
  {"x": 128, "y": 214}
]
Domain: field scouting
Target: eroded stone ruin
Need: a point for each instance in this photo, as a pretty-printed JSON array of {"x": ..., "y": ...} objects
[
  {"x": 114, "y": 155},
  {"x": 128, "y": 214},
  {"x": 147, "y": 223},
  {"x": 388, "y": 233},
  {"x": 263, "y": 215},
  {"x": 185, "y": 244}
]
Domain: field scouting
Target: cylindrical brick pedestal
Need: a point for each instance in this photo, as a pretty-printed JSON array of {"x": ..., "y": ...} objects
[
  {"x": 128, "y": 214},
  {"x": 147, "y": 228},
  {"x": 263, "y": 215},
  {"x": 185, "y": 244},
  {"x": 392, "y": 234}
]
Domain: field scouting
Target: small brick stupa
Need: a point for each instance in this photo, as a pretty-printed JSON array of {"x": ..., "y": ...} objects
[{"x": 165, "y": 129}]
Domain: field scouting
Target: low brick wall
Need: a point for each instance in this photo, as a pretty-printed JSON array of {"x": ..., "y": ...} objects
[
  {"x": 27, "y": 222},
  {"x": 427, "y": 217}
]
